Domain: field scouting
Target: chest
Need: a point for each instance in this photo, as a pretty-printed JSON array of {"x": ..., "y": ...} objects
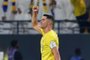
[{"x": 44, "y": 39}]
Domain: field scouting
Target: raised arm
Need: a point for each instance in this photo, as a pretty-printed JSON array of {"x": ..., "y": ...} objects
[{"x": 35, "y": 23}]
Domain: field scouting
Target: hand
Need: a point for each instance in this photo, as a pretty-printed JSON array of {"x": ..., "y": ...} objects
[{"x": 35, "y": 9}]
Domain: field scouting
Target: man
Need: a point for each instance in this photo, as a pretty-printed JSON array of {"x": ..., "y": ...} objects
[
  {"x": 52, "y": 5},
  {"x": 49, "y": 41},
  {"x": 77, "y": 55},
  {"x": 81, "y": 14},
  {"x": 13, "y": 52},
  {"x": 64, "y": 13}
]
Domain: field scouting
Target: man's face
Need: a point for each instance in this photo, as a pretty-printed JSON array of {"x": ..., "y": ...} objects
[{"x": 44, "y": 22}]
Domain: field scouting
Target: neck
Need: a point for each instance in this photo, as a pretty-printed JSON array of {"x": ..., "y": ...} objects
[{"x": 47, "y": 29}]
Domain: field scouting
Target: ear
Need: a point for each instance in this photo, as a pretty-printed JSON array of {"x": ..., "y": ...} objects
[{"x": 48, "y": 21}]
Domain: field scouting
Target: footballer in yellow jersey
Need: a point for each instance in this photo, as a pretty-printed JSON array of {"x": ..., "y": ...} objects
[{"x": 49, "y": 41}]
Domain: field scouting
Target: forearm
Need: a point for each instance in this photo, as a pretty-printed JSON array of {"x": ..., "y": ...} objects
[
  {"x": 57, "y": 56},
  {"x": 55, "y": 51},
  {"x": 34, "y": 19}
]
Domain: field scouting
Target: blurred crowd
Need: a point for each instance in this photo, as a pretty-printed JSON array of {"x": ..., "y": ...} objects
[
  {"x": 76, "y": 11},
  {"x": 12, "y": 52}
]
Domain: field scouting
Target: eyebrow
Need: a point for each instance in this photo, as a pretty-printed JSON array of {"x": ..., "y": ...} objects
[{"x": 42, "y": 19}]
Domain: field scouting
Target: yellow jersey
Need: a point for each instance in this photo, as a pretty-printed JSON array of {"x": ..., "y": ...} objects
[
  {"x": 79, "y": 7},
  {"x": 46, "y": 53}
]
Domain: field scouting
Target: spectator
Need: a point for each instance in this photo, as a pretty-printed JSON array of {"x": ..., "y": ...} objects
[
  {"x": 21, "y": 15},
  {"x": 31, "y": 6},
  {"x": 5, "y": 8},
  {"x": 52, "y": 5},
  {"x": 64, "y": 11},
  {"x": 77, "y": 55},
  {"x": 81, "y": 14},
  {"x": 13, "y": 51},
  {"x": 88, "y": 8}
]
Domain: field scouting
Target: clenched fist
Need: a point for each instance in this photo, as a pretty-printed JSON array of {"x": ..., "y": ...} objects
[{"x": 35, "y": 9}]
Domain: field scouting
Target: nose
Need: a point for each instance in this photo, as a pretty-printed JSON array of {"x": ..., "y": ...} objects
[{"x": 41, "y": 21}]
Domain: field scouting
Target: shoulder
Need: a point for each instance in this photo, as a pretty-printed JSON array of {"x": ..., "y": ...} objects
[{"x": 54, "y": 34}]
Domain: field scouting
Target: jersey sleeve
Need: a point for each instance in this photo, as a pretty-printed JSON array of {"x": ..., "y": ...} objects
[{"x": 52, "y": 42}]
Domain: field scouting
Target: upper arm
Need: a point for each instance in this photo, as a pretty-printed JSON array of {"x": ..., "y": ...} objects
[
  {"x": 56, "y": 53},
  {"x": 54, "y": 49}
]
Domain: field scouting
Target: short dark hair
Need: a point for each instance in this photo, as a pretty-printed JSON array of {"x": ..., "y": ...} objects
[
  {"x": 49, "y": 17},
  {"x": 14, "y": 43}
]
